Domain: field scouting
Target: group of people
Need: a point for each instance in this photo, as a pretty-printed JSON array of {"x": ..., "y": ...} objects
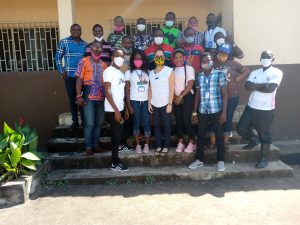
[{"x": 190, "y": 73}]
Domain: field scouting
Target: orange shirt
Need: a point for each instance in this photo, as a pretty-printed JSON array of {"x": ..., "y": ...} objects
[{"x": 91, "y": 74}]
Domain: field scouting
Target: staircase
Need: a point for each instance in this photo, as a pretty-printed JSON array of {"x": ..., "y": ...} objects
[{"x": 69, "y": 165}]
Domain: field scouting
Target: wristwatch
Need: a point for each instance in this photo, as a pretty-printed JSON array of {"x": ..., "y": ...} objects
[{"x": 194, "y": 114}]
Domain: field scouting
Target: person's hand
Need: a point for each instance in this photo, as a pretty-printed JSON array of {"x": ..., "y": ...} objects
[
  {"x": 64, "y": 75},
  {"x": 229, "y": 39},
  {"x": 130, "y": 110},
  {"x": 80, "y": 101},
  {"x": 118, "y": 117},
  {"x": 190, "y": 60},
  {"x": 150, "y": 108},
  {"x": 177, "y": 100},
  {"x": 181, "y": 43},
  {"x": 126, "y": 114},
  {"x": 223, "y": 117},
  {"x": 195, "y": 120},
  {"x": 169, "y": 108}
]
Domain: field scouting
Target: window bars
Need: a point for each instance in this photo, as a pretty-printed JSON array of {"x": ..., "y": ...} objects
[
  {"x": 28, "y": 46},
  {"x": 151, "y": 25}
]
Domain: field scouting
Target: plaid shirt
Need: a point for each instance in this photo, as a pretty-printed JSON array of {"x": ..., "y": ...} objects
[
  {"x": 115, "y": 40},
  {"x": 198, "y": 38},
  {"x": 210, "y": 91},
  {"x": 71, "y": 52}
]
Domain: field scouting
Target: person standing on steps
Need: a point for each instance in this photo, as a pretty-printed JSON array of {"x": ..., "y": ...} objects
[
  {"x": 90, "y": 80},
  {"x": 210, "y": 107},
  {"x": 171, "y": 33},
  {"x": 72, "y": 50},
  {"x": 260, "y": 111},
  {"x": 114, "y": 86},
  {"x": 141, "y": 40},
  {"x": 115, "y": 38}
]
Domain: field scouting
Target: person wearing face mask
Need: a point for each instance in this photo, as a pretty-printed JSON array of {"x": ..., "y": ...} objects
[
  {"x": 161, "y": 93},
  {"x": 259, "y": 113},
  {"x": 90, "y": 79},
  {"x": 158, "y": 36},
  {"x": 210, "y": 107},
  {"x": 193, "y": 52},
  {"x": 115, "y": 38},
  {"x": 198, "y": 36},
  {"x": 106, "y": 46},
  {"x": 220, "y": 39},
  {"x": 142, "y": 39},
  {"x": 184, "y": 76},
  {"x": 171, "y": 33},
  {"x": 137, "y": 85},
  {"x": 235, "y": 73},
  {"x": 208, "y": 41},
  {"x": 114, "y": 87},
  {"x": 127, "y": 50}
]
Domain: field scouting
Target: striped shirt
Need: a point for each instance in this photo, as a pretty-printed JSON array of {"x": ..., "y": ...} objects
[
  {"x": 210, "y": 91},
  {"x": 71, "y": 52},
  {"x": 150, "y": 53},
  {"x": 115, "y": 40}
]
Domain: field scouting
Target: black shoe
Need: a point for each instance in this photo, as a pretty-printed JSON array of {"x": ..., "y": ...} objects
[
  {"x": 263, "y": 162},
  {"x": 119, "y": 167},
  {"x": 125, "y": 148},
  {"x": 251, "y": 144},
  {"x": 73, "y": 126}
]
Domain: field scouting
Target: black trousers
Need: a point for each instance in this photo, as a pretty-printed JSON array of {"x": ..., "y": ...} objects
[
  {"x": 204, "y": 121},
  {"x": 70, "y": 83},
  {"x": 116, "y": 132},
  {"x": 261, "y": 120},
  {"x": 183, "y": 114}
]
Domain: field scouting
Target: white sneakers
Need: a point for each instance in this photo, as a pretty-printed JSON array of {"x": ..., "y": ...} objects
[{"x": 197, "y": 164}]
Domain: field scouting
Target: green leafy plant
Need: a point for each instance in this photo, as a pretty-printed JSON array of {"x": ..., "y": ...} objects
[
  {"x": 149, "y": 180},
  {"x": 18, "y": 151}
]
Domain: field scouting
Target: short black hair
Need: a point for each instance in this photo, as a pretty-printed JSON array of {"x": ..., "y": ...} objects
[
  {"x": 75, "y": 24},
  {"x": 205, "y": 54},
  {"x": 159, "y": 49},
  {"x": 125, "y": 37},
  {"x": 173, "y": 14},
  {"x": 118, "y": 17},
  {"x": 97, "y": 25}
]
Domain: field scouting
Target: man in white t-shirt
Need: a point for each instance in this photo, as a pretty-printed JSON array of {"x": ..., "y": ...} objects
[
  {"x": 114, "y": 85},
  {"x": 259, "y": 113}
]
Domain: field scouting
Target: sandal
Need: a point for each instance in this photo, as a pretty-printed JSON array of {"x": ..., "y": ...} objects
[
  {"x": 164, "y": 152},
  {"x": 157, "y": 151}
]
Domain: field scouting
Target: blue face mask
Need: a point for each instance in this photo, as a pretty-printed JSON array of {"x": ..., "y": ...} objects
[
  {"x": 189, "y": 40},
  {"x": 169, "y": 23}
]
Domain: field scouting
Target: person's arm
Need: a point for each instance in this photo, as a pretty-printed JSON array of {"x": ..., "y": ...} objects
[
  {"x": 79, "y": 77},
  {"x": 237, "y": 52},
  {"x": 149, "y": 98},
  {"x": 58, "y": 59},
  {"x": 171, "y": 92},
  {"x": 127, "y": 95},
  {"x": 243, "y": 71},
  {"x": 108, "y": 96},
  {"x": 196, "y": 106},
  {"x": 224, "y": 104}
]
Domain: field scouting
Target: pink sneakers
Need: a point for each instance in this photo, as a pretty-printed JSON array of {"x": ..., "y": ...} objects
[
  {"x": 190, "y": 148},
  {"x": 180, "y": 147},
  {"x": 138, "y": 149}
]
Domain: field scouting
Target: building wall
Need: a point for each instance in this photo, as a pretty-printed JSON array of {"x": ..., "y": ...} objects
[{"x": 267, "y": 24}]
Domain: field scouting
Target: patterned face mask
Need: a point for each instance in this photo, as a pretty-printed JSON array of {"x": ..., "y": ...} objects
[{"x": 159, "y": 61}]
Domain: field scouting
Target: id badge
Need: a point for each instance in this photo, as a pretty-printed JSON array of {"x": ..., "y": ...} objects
[
  {"x": 207, "y": 95},
  {"x": 141, "y": 89}
]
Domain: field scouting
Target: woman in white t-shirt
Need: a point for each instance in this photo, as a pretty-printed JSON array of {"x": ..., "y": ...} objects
[
  {"x": 161, "y": 93},
  {"x": 183, "y": 100},
  {"x": 137, "y": 85}
]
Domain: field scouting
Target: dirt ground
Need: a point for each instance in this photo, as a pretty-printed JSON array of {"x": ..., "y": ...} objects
[{"x": 227, "y": 201}]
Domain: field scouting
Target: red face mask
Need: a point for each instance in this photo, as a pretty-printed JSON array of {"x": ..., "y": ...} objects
[
  {"x": 138, "y": 63},
  {"x": 95, "y": 56}
]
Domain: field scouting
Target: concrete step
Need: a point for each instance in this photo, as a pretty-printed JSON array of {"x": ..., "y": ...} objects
[
  {"x": 102, "y": 160},
  {"x": 149, "y": 175}
]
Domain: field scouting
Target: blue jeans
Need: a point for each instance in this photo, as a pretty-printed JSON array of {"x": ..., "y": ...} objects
[
  {"x": 231, "y": 106},
  {"x": 93, "y": 119},
  {"x": 161, "y": 117},
  {"x": 141, "y": 115}
]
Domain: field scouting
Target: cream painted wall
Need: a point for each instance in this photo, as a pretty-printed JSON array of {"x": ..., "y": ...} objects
[
  {"x": 28, "y": 10},
  {"x": 268, "y": 24},
  {"x": 102, "y": 12}
]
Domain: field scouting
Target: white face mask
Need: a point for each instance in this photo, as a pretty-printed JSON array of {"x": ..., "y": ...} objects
[
  {"x": 119, "y": 61},
  {"x": 266, "y": 62},
  {"x": 99, "y": 39},
  {"x": 141, "y": 27},
  {"x": 158, "y": 40},
  {"x": 220, "y": 41}
]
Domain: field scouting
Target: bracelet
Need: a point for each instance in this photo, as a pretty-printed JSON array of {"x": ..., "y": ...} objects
[
  {"x": 79, "y": 96},
  {"x": 194, "y": 114}
]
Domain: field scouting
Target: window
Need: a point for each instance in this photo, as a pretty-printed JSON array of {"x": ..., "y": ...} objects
[
  {"x": 151, "y": 25},
  {"x": 28, "y": 46}
]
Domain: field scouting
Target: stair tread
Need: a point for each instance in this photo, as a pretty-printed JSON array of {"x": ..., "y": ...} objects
[{"x": 206, "y": 172}]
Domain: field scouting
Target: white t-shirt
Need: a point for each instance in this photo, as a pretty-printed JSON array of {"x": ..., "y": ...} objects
[
  {"x": 139, "y": 84},
  {"x": 260, "y": 100},
  {"x": 160, "y": 86},
  {"x": 179, "y": 75},
  {"x": 209, "y": 37},
  {"x": 117, "y": 80}
]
